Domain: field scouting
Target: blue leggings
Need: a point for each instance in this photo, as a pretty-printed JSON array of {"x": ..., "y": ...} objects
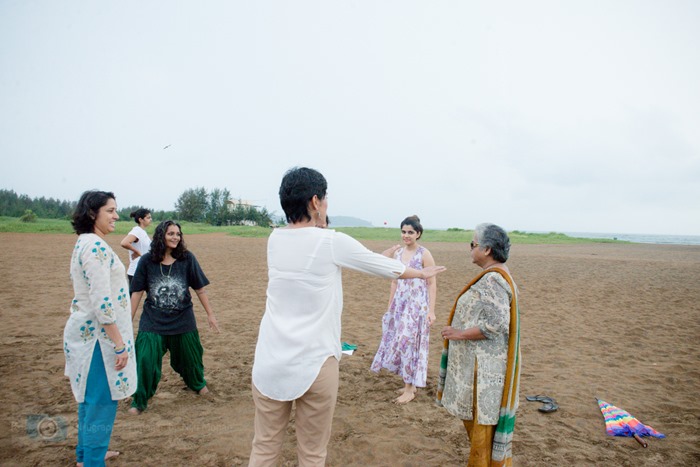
[{"x": 95, "y": 415}]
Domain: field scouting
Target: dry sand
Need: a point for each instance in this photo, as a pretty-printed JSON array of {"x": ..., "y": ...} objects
[{"x": 618, "y": 322}]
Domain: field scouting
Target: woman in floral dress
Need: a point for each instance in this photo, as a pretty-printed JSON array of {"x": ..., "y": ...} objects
[
  {"x": 98, "y": 340},
  {"x": 406, "y": 325}
]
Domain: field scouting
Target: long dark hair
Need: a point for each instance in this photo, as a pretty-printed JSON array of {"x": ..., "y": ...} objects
[
  {"x": 158, "y": 247},
  {"x": 87, "y": 209},
  {"x": 139, "y": 214}
]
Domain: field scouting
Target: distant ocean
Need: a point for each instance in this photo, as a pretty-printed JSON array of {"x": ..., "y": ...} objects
[{"x": 642, "y": 238}]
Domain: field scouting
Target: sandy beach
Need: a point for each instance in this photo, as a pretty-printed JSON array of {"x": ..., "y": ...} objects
[{"x": 620, "y": 322}]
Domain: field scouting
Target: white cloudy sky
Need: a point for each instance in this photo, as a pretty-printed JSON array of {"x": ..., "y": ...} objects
[{"x": 577, "y": 115}]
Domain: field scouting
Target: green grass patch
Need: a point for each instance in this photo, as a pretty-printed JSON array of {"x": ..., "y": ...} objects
[
  {"x": 392, "y": 235},
  {"x": 13, "y": 224},
  {"x": 122, "y": 227},
  {"x": 465, "y": 236}
]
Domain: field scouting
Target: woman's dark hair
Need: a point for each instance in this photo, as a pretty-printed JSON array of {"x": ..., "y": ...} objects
[
  {"x": 299, "y": 185},
  {"x": 158, "y": 247},
  {"x": 87, "y": 208},
  {"x": 494, "y": 237},
  {"x": 414, "y": 222},
  {"x": 139, "y": 214}
]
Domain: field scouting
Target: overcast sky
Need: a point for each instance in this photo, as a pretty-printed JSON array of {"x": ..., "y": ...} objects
[{"x": 573, "y": 116}]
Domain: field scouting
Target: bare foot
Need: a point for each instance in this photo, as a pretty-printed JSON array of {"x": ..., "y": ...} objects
[
  {"x": 406, "y": 388},
  {"x": 108, "y": 456},
  {"x": 405, "y": 398},
  {"x": 203, "y": 391},
  {"x": 132, "y": 411}
]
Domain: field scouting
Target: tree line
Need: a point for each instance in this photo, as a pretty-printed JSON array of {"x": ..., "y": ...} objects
[
  {"x": 14, "y": 205},
  {"x": 195, "y": 205},
  {"x": 217, "y": 208}
]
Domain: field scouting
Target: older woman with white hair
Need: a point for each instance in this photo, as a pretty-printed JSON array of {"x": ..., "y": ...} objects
[{"x": 480, "y": 367}]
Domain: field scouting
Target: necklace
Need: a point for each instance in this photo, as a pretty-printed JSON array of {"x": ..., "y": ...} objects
[{"x": 170, "y": 269}]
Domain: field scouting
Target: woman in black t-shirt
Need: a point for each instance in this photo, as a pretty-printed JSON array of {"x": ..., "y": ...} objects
[{"x": 167, "y": 322}]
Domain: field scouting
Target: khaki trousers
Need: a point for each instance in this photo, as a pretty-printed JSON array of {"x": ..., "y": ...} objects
[{"x": 313, "y": 419}]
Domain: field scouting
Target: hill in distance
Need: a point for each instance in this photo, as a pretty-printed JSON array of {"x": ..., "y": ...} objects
[{"x": 347, "y": 221}]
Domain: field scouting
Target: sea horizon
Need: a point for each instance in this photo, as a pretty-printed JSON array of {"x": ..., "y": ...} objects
[{"x": 640, "y": 238}]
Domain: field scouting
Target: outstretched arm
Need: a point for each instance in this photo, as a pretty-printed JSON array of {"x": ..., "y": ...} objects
[
  {"x": 425, "y": 273},
  {"x": 204, "y": 300}
]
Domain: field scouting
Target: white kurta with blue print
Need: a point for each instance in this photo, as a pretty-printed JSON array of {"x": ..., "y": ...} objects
[{"x": 101, "y": 297}]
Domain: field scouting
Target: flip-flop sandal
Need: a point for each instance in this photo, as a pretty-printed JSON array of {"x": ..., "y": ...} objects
[
  {"x": 539, "y": 398},
  {"x": 549, "y": 407}
]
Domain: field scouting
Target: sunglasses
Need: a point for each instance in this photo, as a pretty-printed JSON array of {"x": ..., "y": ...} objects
[{"x": 473, "y": 244}]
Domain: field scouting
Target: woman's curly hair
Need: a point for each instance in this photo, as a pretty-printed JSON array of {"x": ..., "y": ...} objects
[{"x": 158, "y": 247}]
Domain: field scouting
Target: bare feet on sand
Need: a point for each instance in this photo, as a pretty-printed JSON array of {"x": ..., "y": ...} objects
[
  {"x": 108, "y": 456},
  {"x": 134, "y": 411},
  {"x": 203, "y": 391},
  {"x": 408, "y": 393},
  {"x": 406, "y": 397}
]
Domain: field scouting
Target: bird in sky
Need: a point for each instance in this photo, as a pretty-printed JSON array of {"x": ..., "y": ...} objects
[{"x": 166, "y": 147}]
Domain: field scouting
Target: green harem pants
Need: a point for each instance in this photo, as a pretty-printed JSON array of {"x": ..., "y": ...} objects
[{"x": 185, "y": 357}]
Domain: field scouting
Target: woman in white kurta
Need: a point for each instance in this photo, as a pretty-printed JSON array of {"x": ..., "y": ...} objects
[
  {"x": 98, "y": 339},
  {"x": 298, "y": 349}
]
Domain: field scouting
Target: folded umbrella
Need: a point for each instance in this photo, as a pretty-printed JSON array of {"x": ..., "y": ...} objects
[{"x": 619, "y": 422}]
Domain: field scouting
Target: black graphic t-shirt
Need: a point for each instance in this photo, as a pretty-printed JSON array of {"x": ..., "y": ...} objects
[{"x": 168, "y": 307}]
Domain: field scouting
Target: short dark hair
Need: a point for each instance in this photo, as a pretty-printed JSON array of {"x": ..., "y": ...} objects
[
  {"x": 496, "y": 238},
  {"x": 299, "y": 186},
  {"x": 158, "y": 247},
  {"x": 86, "y": 210},
  {"x": 139, "y": 214}
]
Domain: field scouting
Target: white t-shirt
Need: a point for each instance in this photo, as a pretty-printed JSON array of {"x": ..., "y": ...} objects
[
  {"x": 301, "y": 325},
  {"x": 143, "y": 245}
]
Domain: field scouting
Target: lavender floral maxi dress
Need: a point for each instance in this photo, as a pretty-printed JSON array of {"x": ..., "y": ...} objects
[{"x": 405, "y": 329}]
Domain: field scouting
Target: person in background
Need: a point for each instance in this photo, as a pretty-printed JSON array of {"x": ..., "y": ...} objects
[
  {"x": 403, "y": 349},
  {"x": 98, "y": 340},
  {"x": 167, "y": 321},
  {"x": 298, "y": 347},
  {"x": 480, "y": 367},
  {"x": 137, "y": 241}
]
